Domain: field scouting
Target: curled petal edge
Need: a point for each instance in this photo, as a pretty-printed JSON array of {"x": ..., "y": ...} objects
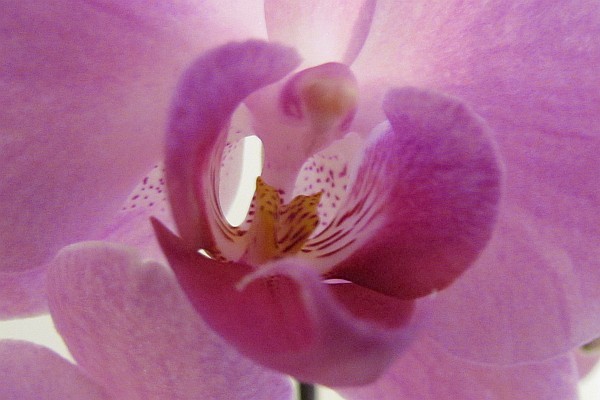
[
  {"x": 208, "y": 94},
  {"x": 293, "y": 321},
  {"x": 435, "y": 180},
  {"x": 30, "y": 371}
]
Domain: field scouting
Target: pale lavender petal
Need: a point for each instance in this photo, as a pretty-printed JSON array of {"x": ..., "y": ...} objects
[
  {"x": 84, "y": 100},
  {"x": 131, "y": 224},
  {"x": 32, "y": 372},
  {"x": 540, "y": 273},
  {"x": 530, "y": 70},
  {"x": 529, "y": 296},
  {"x": 129, "y": 326},
  {"x": 586, "y": 362},
  {"x": 525, "y": 64},
  {"x": 290, "y": 320},
  {"x": 427, "y": 371},
  {"x": 23, "y": 293},
  {"x": 209, "y": 93},
  {"x": 321, "y": 31},
  {"x": 424, "y": 201}
]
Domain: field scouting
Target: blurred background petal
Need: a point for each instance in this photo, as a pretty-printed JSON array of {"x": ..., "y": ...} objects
[
  {"x": 127, "y": 323},
  {"x": 32, "y": 372}
]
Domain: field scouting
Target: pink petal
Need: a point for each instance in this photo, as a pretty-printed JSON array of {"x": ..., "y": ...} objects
[
  {"x": 540, "y": 273},
  {"x": 129, "y": 326},
  {"x": 533, "y": 292},
  {"x": 31, "y": 372},
  {"x": 525, "y": 63},
  {"x": 23, "y": 293},
  {"x": 427, "y": 372},
  {"x": 431, "y": 185},
  {"x": 291, "y": 321},
  {"x": 131, "y": 224},
  {"x": 208, "y": 95},
  {"x": 321, "y": 31},
  {"x": 530, "y": 70},
  {"x": 83, "y": 108},
  {"x": 585, "y": 362}
]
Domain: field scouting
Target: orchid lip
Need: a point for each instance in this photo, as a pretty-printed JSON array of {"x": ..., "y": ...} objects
[
  {"x": 320, "y": 224},
  {"x": 279, "y": 230},
  {"x": 301, "y": 229}
]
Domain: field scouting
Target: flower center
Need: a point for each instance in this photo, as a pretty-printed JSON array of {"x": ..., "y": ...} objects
[{"x": 279, "y": 230}]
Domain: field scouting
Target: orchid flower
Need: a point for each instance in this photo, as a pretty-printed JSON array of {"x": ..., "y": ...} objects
[
  {"x": 425, "y": 221},
  {"x": 405, "y": 221}
]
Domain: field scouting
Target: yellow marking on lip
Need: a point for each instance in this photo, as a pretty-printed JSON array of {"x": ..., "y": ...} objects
[{"x": 279, "y": 230}]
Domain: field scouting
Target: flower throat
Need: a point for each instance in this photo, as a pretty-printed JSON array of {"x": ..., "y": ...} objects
[{"x": 279, "y": 230}]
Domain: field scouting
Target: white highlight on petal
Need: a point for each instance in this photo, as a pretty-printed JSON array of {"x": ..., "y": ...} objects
[{"x": 205, "y": 254}]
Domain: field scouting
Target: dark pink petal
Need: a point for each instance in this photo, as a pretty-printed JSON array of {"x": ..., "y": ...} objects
[
  {"x": 128, "y": 324},
  {"x": 321, "y": 31},
  {"x": 425, "y": 198},
  {"x": 428, "y": 372},
  {"x": 83, "y": 106},
  {"x": 290, "y": 320},
  {"x": 32, "y": 372},
  {"x": 208, "y": 94}
]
